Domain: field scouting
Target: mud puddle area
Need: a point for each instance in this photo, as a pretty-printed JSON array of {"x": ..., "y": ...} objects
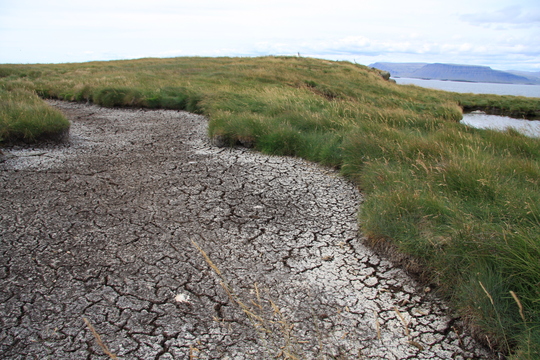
[{"x": 172, "y": 248}]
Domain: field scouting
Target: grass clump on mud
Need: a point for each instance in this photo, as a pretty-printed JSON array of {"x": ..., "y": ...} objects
[
  {"x": 463, "y": 203},
  {"x": 25, "y": 117}
]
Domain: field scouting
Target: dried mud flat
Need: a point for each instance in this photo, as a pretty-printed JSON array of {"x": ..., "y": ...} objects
[{"x": 172, "y": 248}]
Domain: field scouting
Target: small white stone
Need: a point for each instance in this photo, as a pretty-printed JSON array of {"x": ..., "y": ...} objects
[{"x": 182, "y": 298}]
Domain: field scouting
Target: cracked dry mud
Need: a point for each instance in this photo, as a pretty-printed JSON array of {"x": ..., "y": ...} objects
[{"x": 106, "y": 227}]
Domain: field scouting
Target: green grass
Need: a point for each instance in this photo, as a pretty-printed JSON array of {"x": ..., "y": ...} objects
[
  {"x": 464, "y": 203},
  {"x": 25, "y": 117}
]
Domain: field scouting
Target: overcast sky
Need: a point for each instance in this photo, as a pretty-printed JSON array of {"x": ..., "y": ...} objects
[{"x": 503, "y": 34}]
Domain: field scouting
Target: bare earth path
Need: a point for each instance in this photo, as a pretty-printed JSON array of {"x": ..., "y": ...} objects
[{"x": 106, "y": 227}]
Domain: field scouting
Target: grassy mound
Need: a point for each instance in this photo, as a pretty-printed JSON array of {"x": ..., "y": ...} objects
[
  {"x": 25, "y": 117},
  {"x": 463, "y": 203}
]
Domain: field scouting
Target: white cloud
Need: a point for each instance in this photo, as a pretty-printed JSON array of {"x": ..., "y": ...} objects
[
  {"x": 514, "y": 15},
  {"x": 491, "y": 31}
]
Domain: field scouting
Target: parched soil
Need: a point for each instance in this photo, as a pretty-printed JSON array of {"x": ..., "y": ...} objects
[{"x": 171, "y": 248}]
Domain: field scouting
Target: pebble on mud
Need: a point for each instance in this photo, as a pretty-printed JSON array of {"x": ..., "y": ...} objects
[{"x": 182, "y": 298}]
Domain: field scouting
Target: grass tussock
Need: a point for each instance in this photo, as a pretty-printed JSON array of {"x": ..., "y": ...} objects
[
  {"x": 25, "y": 117},
  {"x": 463, "y": 203}
]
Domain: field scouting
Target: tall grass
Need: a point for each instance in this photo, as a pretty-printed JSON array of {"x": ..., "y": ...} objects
[
  {"x": 464, "y": 203},
  {"x": 25, "y": 117}
]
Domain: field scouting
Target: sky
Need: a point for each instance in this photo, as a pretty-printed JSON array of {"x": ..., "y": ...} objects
[{"x": 503, "y": 34}]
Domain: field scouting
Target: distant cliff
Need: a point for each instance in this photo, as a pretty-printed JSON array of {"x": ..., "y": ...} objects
[
  {"x": 527, "y": 74},
  {"x": 454, "y": 72},
  {"x": 398, "y": 69}
]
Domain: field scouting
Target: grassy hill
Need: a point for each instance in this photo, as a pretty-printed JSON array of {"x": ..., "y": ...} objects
[{"x": 461, "y": 205}]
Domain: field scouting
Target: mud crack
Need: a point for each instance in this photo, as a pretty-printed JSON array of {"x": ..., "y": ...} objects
[{"x": 102, "y": 227}]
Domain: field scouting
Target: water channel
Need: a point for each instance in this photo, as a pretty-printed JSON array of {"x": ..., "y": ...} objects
[{"x": 482, "y": 121}]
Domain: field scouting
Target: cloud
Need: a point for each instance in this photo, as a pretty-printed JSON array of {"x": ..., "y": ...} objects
[
  {"x": 505, "y": 53},
  {"x": 418, "y": 30},
  {"x": 512, "y": 15},
  {"x": 372, "y": 46}
]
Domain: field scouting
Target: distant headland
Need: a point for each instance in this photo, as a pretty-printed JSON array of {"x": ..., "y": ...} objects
[{"x": 454, "y": 72}]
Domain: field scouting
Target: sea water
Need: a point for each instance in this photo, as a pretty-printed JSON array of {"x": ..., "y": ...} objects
[
  {"x": 483, "y": 121},
  {"x": 475, "y": 88}
]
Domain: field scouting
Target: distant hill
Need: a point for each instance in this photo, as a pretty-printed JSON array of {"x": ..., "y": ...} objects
[
  {"x": 454, "y": 72},
  {"x": 527, "y": 74},
  {"x": 468, "y": 73},
  {"x": 398, "y": 69}
]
